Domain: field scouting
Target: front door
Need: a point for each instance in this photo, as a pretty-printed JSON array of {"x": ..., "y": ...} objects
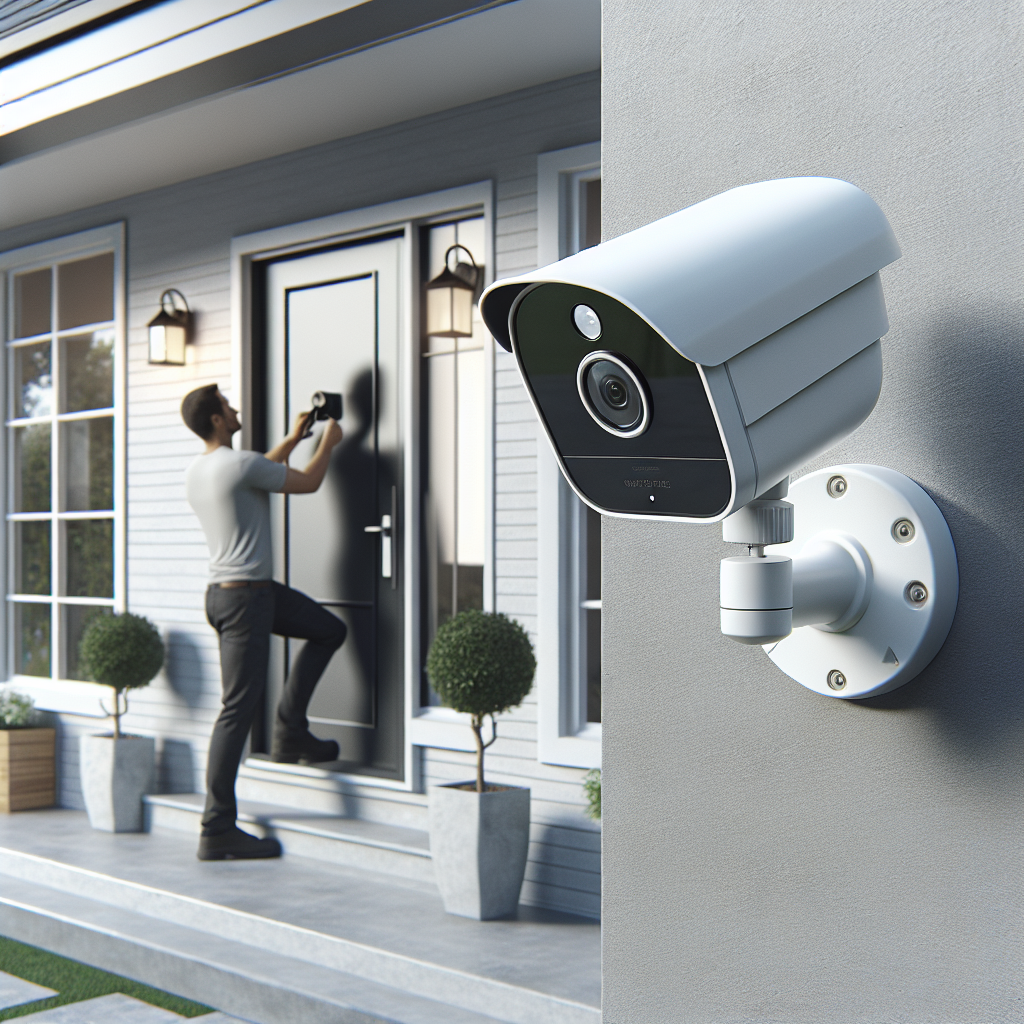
[{"x": 333, "y": 325}]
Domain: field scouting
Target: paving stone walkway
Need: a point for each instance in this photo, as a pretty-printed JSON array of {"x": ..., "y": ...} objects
[
  {"x": 112, "y": 1009},
  {"x": 14, "y": 991}
]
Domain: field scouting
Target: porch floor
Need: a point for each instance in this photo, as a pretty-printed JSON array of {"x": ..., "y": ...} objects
[{"x": 375, "y": 930}]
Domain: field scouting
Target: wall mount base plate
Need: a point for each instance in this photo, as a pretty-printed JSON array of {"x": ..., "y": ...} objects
[{"x": 914, "y": 589}]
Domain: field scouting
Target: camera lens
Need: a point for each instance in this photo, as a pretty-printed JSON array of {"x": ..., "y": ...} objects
[{"x": 613, "y": 393}]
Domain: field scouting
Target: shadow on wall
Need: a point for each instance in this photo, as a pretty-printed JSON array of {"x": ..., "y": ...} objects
[
  {"x": 184, "y": 668},
  {"x": 176, "y": 767},
  {"x": 969, "y": 377}
]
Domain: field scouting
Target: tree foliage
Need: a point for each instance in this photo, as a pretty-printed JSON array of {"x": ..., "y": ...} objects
[{"x": 481, "y": 663}]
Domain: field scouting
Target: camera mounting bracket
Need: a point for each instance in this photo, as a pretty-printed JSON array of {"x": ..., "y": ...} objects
[{"x": 899, "y": 566}]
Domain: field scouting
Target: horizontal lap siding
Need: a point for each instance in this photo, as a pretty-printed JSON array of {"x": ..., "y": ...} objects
[{"x": 179, "y": 237}]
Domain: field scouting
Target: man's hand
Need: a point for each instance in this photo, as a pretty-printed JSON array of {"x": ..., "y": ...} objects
[
  {"x": 332, "y": 434},
  {"x": 299, "y": 429},
  {"x": 307, "y": 480}
]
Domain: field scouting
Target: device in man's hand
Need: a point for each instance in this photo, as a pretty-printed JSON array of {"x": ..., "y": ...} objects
[{"x": 327, "y": 405}]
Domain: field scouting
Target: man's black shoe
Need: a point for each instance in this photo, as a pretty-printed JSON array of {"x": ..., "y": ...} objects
[
  {"x": 237, "y": 845},
  {"x": 302, "y": 748}
]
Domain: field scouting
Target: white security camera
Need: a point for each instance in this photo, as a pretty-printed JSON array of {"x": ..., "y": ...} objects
[{"x": 685, "y": 368}]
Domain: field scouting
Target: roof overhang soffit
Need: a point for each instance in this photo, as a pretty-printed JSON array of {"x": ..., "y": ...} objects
[{"x": 188, "y": 51}]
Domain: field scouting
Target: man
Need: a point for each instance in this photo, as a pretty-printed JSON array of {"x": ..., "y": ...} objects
[{"x": 229, "y": 491}]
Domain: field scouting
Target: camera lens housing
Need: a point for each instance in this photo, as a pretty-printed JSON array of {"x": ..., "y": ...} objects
[{"x": 614, "y": 393}]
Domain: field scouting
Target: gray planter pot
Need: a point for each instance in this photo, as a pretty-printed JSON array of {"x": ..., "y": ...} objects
[
  {"x": 115, "y": 774},
  {"x": 478, "y": 842}
]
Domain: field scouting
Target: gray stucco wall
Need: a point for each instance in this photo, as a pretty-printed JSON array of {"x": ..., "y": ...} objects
[{"x": 771, "y": 854}]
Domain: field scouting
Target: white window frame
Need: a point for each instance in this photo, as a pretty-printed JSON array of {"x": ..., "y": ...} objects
[
  {"x": 564, "y": 735},
  {"x": 55, "y": 694}
]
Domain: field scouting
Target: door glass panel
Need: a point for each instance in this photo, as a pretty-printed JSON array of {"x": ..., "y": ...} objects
[
  {"x": 87, "y": 452},
  {"x": 87, "y": 366},
  {"x": 32, "y": 303},
  {"x": 32, "y": 557},
  {"x": 32, "y": 639},
  {"x": 90, "y": 558},
  {"x": 85, "y": 291},
  {"x": 74, "y": 618},
  {"x": 32, "y": 468},
  {"x": 342, "y": 564},
  {"x": 33, "y": 380},
  {"x": 330, "y": 557}
]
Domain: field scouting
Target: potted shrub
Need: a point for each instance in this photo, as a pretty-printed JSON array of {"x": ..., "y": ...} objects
[
  {"x": 482, "y": 664},
  {"x": 27, "y": 772},
  {"x": 123, "y": 652}
]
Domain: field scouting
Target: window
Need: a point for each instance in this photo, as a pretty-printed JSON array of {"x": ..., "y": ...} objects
[
  {"x": 454, "y": 456},
  {"x": 569, "y": 533},
  {"x": 62, "y": 425}
]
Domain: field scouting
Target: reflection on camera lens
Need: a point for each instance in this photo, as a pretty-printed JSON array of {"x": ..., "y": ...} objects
[{"x": 612, "y": 394}]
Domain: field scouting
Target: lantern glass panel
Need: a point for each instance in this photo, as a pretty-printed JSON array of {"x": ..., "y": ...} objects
[
  {"x": 158, "y": 344},
  {"x": 439, "y": 311},
  {"x": 462, "y": 312},
  {"x": 175, "y": 344}
]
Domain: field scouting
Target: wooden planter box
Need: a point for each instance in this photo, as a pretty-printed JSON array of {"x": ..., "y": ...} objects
[{"x": 28, "y": 776}]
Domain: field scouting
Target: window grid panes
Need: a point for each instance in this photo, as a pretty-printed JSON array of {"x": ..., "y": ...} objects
[
  {"x": 61, "y": 453},
  {"x": 454, "y": 463}
]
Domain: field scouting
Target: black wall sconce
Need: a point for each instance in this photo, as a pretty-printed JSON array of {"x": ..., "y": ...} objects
[{"x": 168, "y": 330}]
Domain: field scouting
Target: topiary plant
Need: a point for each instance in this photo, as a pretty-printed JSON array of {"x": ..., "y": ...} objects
[
  {"x": 481, "y": 663},
  {"x": 123, "y": 652}
]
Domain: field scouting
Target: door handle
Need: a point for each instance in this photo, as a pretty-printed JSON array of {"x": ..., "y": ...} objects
[{"x": 385, "y": 543}]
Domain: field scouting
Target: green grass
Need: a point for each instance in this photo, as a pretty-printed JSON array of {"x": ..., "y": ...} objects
[{"x": 74, "y": 982}]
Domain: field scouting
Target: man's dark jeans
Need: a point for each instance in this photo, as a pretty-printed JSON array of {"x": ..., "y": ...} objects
[{"x": 244, "y": 618}]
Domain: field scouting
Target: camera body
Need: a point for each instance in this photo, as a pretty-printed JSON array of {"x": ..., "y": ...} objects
[
  {"x": 327, "y": 405},
  {"x": 687, "y": 367}
]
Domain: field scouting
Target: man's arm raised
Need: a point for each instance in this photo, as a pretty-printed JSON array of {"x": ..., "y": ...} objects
[
  {"x": 281, "y": 452},
  {"x": 306, "y": 481}
]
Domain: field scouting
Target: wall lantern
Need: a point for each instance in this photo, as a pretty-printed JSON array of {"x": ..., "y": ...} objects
[
  {"x": 450, "y": 298},
  {"x": 168, "y": 330}
]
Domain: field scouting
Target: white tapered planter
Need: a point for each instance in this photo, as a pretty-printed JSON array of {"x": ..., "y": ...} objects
[
  {"x": 115, "y": 775},
  {"x": 478, "y": 842}
]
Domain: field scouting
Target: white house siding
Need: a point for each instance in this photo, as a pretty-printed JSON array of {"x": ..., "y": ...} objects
[{"x": 179, "y": 237}]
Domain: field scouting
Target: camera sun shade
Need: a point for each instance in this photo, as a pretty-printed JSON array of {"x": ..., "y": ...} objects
[{"x": 751, "y": 324}]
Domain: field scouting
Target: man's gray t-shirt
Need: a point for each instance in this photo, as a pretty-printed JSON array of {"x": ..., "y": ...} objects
[{"x": 228, "y": 491}]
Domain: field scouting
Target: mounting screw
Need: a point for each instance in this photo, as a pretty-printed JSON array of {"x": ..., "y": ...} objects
[
  {"x": 916, "y": 593},
  {"x": 837, "y": 486},
  {"x": 836, "y": 680},
  {"x": 903, "y": 531}
]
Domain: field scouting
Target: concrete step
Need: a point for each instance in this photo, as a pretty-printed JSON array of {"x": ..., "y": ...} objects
[
  {"x": 542, "y": 967},
  {"x": 370, "y": 845},
  {"x": 309, "y": 789},
  {"x": 248, "y": 983}
]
